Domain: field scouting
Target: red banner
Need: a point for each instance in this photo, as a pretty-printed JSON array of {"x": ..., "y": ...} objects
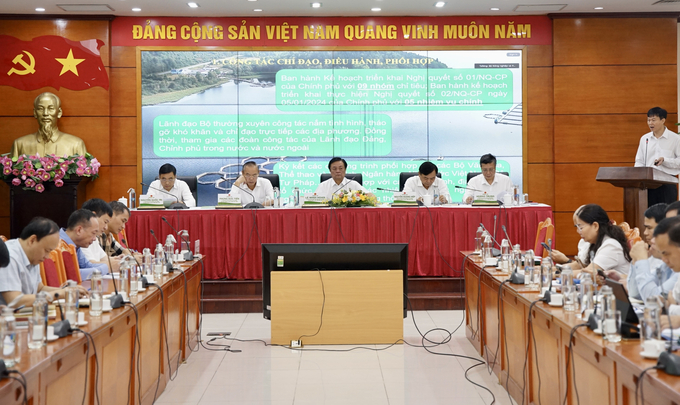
[
  {"x": 332, "y": 31},
  {"x": 51, "y": 61}
]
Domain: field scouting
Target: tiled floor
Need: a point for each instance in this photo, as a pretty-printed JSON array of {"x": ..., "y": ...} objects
[{"x": 401, "y": 374}]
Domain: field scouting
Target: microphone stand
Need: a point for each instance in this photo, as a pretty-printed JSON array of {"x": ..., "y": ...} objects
[
  {"x": 116, "y": 300},
  {"x": 63, "y": 327},
  {"x": 188, "y": 255},
  {"x": 174, "y": 206},
  {"x": 253, "y": 204},
  {"x": 494, "y": 252}
]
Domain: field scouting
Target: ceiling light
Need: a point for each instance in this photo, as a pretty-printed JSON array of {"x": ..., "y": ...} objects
[
  {"x": 86, "y": 8},
  {"x": 439, "y": 4},
  {"x": 546, "y": 8},
  {"x": 40, "y": 9},
  {"x": 599, "y": 8},
  {"x": 136, "y": 9},
  {"x": 316, "y": 5},
  {"x": 252, "y": 0},
  {"x": 376, "y": 9},
  {"x": 495, "y": 9},
  {"x": 258, "y": 9},
  {"x": 192, "y": 5}
]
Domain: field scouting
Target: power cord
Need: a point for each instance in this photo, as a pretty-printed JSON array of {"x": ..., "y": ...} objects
[
  {"x": 573, "y": 368},
  {"x": 4, "y": 373},
  {"x": 323, "y": 306},
  {"x": 526, "y": 353},
  {"x": 639, "y": 383},
  {"x": 337, "y": 221},
  {"x": 87, "y": 362},
  {"x": 538, "y": 371},
  {"x": 136, "y": 347}
]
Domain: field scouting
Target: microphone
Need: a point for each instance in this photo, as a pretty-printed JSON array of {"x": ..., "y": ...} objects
[
  {"x": 505, "y": 231},
  {"x": 116, "y": 299},
  {"x": 342, "y": 184},
  {"x": 469, "y": 188},
  {"x": 594, "y": 319},
  {"x": 494, "y": 226},
  {"x": 63, "y": 327},
  {"x": 174, "y": 206},
  {"x": 646, "y": 147},
  {"x": 182, "y": 238},
  {"x": 154, "y": 236},
  {"x": 494, "y": 251},
  {"x": 388, "y": 189},
  {"x": 253, "y": 204}
]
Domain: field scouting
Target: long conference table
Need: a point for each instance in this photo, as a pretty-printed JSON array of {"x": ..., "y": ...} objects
[
  {"x": 232, "y": 238},
  {"x": 64, "y": 371},
  {"x": 600, "y": 372}
]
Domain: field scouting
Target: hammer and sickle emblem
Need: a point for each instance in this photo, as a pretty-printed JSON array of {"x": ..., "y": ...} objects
[{"x": 29, "y": 68}]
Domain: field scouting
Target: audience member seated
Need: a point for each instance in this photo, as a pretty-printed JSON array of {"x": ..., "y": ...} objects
[
  {"x": 121, "y": 214},
  {"x": 667, "y": 240},
  {"x": 649, "y": 276},
  {"x": 579, "y": 261},
  {"x": 95, "y": 253},
  {"x": 168, "y": 186},
  {"x": 22, "y": 274},
  {"x": 427, "y": 183},
  {"x": 81, "y": 230},
  {"x": 608, "y": 244},
  {"x": 338, "y": 167}
]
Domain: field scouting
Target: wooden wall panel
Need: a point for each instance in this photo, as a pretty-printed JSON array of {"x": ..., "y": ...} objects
[
  {"x": 123, "y": 141},
  {"x": 584, "y": 138},
  {"x": 575, "y": 185},
  {"x": 75, "y": 30},
  {"x": 86, "y": 103},
  {"x": 100, "y": 188},
  {"x": 540, "y": 136},
  {"x": 614, "y": 89},
  {"x": 539, "y": 55},
  {"x": 124, "y": 56},
  {"x": 541, "y": 183},
  {"x": 567, "y": 237},
  {"x": 540, "y": 90},
  {"x": 614, "y": 41},
  {"x": 125, "y": 177},
  {"x": 124, "y": 93}
]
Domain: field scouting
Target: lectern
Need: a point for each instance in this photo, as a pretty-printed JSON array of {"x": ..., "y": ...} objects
[{"x": 635, "y": 181}]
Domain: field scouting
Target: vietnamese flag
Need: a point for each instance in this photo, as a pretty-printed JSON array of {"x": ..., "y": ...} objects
[{"x": 51, "y": 61}]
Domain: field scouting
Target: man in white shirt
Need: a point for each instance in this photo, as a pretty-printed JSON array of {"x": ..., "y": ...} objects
[
  {"x": 168, "y": 185},
  {"x": 667, "y": 238},
  {"x": 660, "y": 149},
  {"x": 427, "y": 183},
  {"x": 251, "y": 188},
  {"x": 94, "y": 253},
  {"x": 338, "y": 167},
  {"x": 489, "y": 182}
]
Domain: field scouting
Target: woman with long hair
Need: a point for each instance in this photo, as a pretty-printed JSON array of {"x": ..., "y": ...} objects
[{"x": 608, "y": 245}]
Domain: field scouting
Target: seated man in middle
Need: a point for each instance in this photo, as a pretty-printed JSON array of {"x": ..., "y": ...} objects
[
  {"x": 81, "y": 230},
  {"x": 338, "y": 167},
  {"x": 488, "y": 182},
  {"x": 427, "y": 183},
  {"x": 257, "y": 189},
  {"x": 168, "y": 186}
]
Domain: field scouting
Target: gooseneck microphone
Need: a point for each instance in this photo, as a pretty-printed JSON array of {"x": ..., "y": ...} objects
[
  {"x": 343, "y": 184},
  {"x": 174, "y": 206},
  {"x": 154, "y": 236},
  {"x": 116, "y": 299},
  {"x": 646, "y": 148},
  {"x": 63, "y": 327},
  {"x": 388, "y": 189},
  {"x": 505, "y": 231},
  {"x": 182, "y": 238},
  {"x": 494, "y": 251},
  {"x": 253, "y": 204}
]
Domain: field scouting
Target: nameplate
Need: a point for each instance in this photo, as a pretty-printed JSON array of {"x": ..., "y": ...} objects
[
  {"x": 150, "y": 203},
  {"x": 485, "y": 199},
  {"x": 228, "y": 201},
  {"x": 314, "y": 200},
  {"x": 403, "y": 198}
]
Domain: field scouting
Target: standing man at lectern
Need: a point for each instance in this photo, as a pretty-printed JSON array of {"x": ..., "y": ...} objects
[{"x": 660, "y": 149}]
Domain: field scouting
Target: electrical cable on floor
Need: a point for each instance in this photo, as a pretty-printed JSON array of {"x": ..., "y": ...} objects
[
  {"x": 87, "y": 362},
  {"x": 323, "y": 306},
  {"x": 538, "y": 372},
  {"x": 136, "y": 350},
  {"x": 526, "y": 354}
]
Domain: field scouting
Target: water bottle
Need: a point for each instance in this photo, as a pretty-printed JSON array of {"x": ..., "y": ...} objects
[
  {"x": 158, "y": 262},
  {"x": 134, "y": 277},
  {"x": 132, "y": 197},
  {"x": 478, "y": 240},
  {"x": 487, "y": 252},
  {"x": 296, "y": 197},
  {"x": 147, "y": 261},
  {"x": 546, "y": 275},
  {"x": 568, "y": 290},
  {"x": 37, "y": 324},
  {"x": 516, "y": 259},
  {"x": 505, "y": 255},
  {"x": 435, "y": 198},
  {"x": 9, "y": 337},
  {"x": 587, "y": 290},
  {"x": 515, "y": 195},
  {"x": 610, "y": 323},
  {"x": 529, "y": 276},
  {"x": 124, "y": 288},
  {"x": 71, "y": 302},
  {"x": 169, "y": 249},
  {"x": 651, "y": 324},
  {"x": 277, "y": 197},
  {"x": 96, "y": 294}
]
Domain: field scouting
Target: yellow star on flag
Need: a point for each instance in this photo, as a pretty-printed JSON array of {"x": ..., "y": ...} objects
[{"x": 69, "y": 63}]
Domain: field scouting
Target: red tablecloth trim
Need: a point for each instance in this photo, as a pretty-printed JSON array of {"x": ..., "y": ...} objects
[{"x": 232, "y": 243}]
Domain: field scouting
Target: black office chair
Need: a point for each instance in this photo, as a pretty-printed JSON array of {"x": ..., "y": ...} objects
[
  {"x": 273, "y": 178},
  {"x": 403, "y": 176},
  {"x": 470, "y": 175},
  {"x": 192, "y": 182},
  {"x": 351, "y": 176}
]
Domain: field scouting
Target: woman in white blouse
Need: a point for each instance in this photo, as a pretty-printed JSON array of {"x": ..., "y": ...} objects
[{"x": 608, "y": 245}]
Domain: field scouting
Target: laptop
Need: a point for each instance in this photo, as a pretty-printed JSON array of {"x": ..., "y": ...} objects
[{"x": 623, "y": 303}]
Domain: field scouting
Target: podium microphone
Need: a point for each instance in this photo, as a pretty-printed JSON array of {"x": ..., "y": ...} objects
[
  {"x": 253, "y": 204},
  {"x": 494, "y": 251},
  {"x": 116, "y": 299},
  {"x": 174, "y": 206}
]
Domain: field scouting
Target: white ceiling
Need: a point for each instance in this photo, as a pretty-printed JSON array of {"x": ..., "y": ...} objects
[{"x": 302, "y": 8}]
